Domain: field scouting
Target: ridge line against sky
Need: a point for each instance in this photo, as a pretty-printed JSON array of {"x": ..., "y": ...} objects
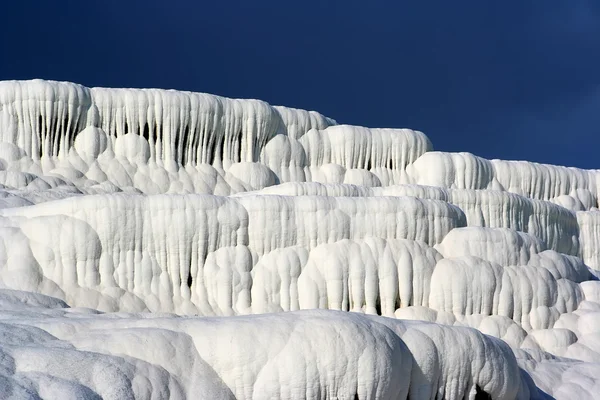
[{"x": 510, "y": 80}]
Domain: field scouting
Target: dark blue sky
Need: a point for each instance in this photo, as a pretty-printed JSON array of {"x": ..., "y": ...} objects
[{"x": 511, "y": 79}]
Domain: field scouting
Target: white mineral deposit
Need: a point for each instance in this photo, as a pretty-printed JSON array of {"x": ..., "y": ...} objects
[{"x": 161, "y": 244}]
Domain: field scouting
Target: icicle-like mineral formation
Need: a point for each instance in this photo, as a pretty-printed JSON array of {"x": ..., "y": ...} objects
[{"x": 305, "y": 259}]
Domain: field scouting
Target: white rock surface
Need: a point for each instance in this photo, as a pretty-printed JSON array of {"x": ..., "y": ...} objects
[{"x": 222, "y": 248}]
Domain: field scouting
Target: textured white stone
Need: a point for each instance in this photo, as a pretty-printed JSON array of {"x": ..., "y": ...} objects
[{"x": 169, "y": 220}]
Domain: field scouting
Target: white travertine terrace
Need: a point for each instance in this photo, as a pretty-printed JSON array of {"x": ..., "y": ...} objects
[
  {"x": 165, "y": 244},
  {"x": 538, "y": 181}
]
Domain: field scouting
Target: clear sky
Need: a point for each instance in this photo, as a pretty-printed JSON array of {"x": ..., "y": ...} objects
[{"x": 511, "y": 79}]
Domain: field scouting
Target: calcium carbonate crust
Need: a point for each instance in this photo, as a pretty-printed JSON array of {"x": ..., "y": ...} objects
[{"x": 224, "y": 248}]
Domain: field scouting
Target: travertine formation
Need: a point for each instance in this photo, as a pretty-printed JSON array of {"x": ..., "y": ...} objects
[{"x": 170, "y": 222}]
